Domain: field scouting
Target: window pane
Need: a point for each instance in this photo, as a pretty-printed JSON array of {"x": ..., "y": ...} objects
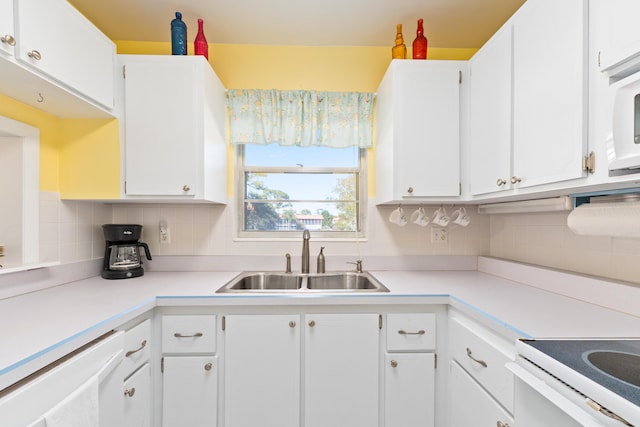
[
  {"x": 268, "y": 216},
  {"x": 300, "y": 186},
  {"x": 276, "y": 155}
]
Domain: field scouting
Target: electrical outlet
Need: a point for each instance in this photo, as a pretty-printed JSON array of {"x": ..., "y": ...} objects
[
  {"x": 165, "y": 234},
  {"x": 439, "y": 235}
]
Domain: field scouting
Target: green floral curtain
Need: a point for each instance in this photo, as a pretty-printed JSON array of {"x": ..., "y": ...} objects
[{"x": 300, "y": 117}]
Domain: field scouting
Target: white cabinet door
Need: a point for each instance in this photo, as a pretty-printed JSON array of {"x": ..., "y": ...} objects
[
  {"x": 489, "y": 130},
  {"x": 262, "y": 370},
  {"x": 341, "y": 370},
  {"x": 190, "y": 391},
  {"x": 550, "y": 91},
  {"x": 138, "y": 398},
  {"x": 69, "y": 48},
  {"x": 418, "y": 131},
  {"x": 620, "y": 31},
  {"x": 174, "y": 129},
  {"x": 410, "y": 390},
  {"x": 470, "y": 404},
  {"x": 7, "y": 32}
]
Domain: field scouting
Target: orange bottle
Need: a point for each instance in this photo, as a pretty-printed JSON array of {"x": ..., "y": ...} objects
[{"x": 399, "y": 51}]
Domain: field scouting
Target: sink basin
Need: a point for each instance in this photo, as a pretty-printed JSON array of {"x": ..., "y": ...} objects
[
  {"x": 261, "y": 282},
  {"x": 343, "y": 281}
]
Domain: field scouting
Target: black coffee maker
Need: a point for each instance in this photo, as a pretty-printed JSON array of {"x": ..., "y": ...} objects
[{"x": 122, "y": 258}]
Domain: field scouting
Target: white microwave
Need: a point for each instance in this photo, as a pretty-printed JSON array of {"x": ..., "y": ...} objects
[{"x": 624, "y": 144}]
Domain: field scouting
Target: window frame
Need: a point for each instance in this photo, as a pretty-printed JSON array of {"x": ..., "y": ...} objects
[{"x": 361, "y": 199}]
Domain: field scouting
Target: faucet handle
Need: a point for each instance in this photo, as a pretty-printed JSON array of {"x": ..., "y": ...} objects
[
  {"x": 358, "y": 265},
  {"x": 288, "y": 269}
]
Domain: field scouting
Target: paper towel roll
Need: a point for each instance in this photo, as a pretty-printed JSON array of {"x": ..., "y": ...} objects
[{"x": 606, "y": 219}]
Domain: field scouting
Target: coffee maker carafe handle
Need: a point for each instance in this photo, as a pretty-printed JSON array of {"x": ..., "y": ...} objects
[{"x": 146, "y": 249}]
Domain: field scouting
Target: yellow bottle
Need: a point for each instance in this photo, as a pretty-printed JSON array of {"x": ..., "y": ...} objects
[{"x": 399, "y": 51}]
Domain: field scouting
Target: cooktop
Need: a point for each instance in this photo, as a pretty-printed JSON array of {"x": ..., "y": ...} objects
[{"x": 612, "y": 363}]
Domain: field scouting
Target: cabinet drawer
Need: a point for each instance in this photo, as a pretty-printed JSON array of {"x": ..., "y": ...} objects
[
  {"x": 137, "y": 347},
  {"x": 189, "y": 334},
  {"x": 411, "y": 331},
  {"x": 483, "y": 355}
]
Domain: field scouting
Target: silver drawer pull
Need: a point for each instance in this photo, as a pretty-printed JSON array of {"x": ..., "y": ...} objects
[
  {"x": 196, "y": 335},
  {"x": 34, "y": 54},
  {"x": 130, "y": 392},
  {"x": 403, "y": 332},
  {"x": 478, "y": 361},
  {"x": 8, "y": 39},
  {"x": 143, "y": 344},
  {"x": 501, "y": 424}
]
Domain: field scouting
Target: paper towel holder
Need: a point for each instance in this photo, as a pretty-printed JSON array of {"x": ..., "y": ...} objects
[{"x": 614, "y": 196}]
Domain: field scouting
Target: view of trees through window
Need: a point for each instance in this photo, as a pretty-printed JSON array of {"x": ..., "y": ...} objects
[{"x": 293, "y": 188}]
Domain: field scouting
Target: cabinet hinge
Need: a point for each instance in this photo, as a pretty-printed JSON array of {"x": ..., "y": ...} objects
[
  {"x": 162, "y": 365},
  {"x": 589, "y": 163},
  {"x": 459, "y": 189},
  {"x": 460, "y": 76},
  {"x": 435, "y": 361},
  {"x": 224, "y": 323},
  {"x": 380, "y": 321},
  {"x": 124, "y": 71}
]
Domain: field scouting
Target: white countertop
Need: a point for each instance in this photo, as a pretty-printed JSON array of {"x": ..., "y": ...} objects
[{"x": 39, "y": 327}]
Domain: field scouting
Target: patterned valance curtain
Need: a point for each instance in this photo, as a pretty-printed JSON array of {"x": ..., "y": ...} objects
[{"x": 300, "y": 117}]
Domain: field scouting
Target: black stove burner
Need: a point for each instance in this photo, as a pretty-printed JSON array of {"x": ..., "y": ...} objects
[{"x": 614, "y": 364}]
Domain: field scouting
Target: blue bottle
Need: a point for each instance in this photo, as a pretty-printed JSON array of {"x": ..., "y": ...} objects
[{"x": 178, "y": 36}]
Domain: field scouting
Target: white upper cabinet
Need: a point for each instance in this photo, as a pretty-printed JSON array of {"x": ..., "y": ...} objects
[
  {"x": 489, "y": 125},
  {"x": 80, "y": 56},
  {"x": 55, "y": 60},
  {"x": 550, "y": 84},
  {"x": 174, "y": 133},
  {"x": 620, "y": 34},
  {"x": 7, "y": 32},
  {"x": 418, "y": 131},
  {"x": 528, "y": 99}
]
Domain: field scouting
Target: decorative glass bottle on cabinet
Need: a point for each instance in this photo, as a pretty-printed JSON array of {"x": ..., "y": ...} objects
[
  {"x": 399, "y": 51},
  {"x": 200, "y": 45},
  {"x": 420, "y": 43},
  {"x": 178, "y": 36}
]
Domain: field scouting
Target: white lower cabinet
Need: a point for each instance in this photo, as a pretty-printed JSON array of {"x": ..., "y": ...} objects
[
  {"x": 264, "y": 358},
  {"x": 471, "y": 405},
  {"x": 138, "y": 398},
  {"x": 190, "y": 391},
  {"x": 262, "y": 370},
  {"x": 409, "y": 394}
]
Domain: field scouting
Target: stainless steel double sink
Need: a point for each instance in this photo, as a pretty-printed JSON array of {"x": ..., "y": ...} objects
[{"x": 267, "y": 282}]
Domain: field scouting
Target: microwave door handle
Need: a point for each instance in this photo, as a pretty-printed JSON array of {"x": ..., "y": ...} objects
[
  {"x": 146, "y": 249},
  {"x": 554, "y": 398}
]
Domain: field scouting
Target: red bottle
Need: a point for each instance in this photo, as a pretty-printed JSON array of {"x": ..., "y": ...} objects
[
  {"x": 420, "y": 43},
  {"x": 200, "y": 45}
]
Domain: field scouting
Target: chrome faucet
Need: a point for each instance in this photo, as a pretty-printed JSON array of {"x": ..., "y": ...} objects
[{"x": 305, "y": 251}]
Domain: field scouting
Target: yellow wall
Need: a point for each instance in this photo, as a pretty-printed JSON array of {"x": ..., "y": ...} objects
[{"x": 80, "y": 158}]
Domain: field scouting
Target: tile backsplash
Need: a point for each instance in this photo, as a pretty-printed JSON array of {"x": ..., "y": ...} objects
[{"x": 71, "y": 232}]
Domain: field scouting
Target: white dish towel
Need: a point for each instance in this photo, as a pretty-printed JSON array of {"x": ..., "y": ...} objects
[{"x": 79, "y": 409}]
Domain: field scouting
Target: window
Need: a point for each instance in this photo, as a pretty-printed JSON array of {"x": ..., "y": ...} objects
[{"x": 285, "y": 189}]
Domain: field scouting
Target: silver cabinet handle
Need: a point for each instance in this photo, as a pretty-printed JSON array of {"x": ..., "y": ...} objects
[
  {"x": 143, "y": 344},
  {"x": 208, "y": 366},
  {"x": 515, "y": 179},
  {"x": 478, "y": 361},
  {"x": 394, "y": 364},
  {"x": 8, "y": 39},
  {"x": 130, "y": 392},
  {"x": 196, "y": 335},
  {"x": 403, "y": 332},
  {"x": 312, "y": 323},
  {"x": 410, "y": 190},
  {"x": 501, "y": 424},
  {"x": 34, "y": 54},
  {"x": 292, "y": 324},
  {"x": 500, "y": 182},
  {"x": 186, "y": 188}
]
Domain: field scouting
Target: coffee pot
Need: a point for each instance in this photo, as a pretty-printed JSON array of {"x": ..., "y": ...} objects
[{"x": 122, "y": 258}]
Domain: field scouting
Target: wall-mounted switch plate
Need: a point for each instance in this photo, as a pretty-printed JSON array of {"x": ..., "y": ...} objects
[{"x": 439, "y": 235}]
